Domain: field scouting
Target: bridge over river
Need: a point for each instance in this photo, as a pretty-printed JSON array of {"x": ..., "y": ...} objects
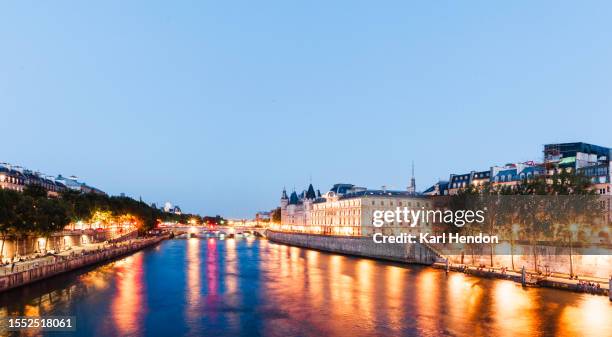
[{"x": 217, "y": 231}]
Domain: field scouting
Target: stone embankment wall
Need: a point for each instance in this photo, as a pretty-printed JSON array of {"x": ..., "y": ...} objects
[
  {"x": 409, "y": 253},
  {"x": 61, "y": 266}
]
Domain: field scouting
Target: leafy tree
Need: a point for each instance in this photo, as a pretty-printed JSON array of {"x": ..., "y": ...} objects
[
  {"x": 50, "y": 216},
  {"x": 276, "y": 215},
  {"x": 35, "y": 191},
  {"x": 9, "y": 217}
]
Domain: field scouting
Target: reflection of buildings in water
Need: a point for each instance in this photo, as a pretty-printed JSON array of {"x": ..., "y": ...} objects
[
  {"x": 590, "y": 317},
  {"x": 334, "y": 272},
  {"x": 211, "y": 269},
  {"x": 295, "y": 267},
  {"x": 127, "y": 307},
  {"x": 97, "y": 279},
  {"x": 427, "y": 295},
  {"x": 464, "y": 302},
  {"x": 364, "y": 277},
  {"x": 233, "y": 296},
  {"x": 514, "y": 309},
  {"x": 394, "y": 287},
  {"x": 284, "y": 262},
  {"x": 313, "y": 276},
  {"x": 193, "y": 293},
  {"x": 231, "y": 266}
]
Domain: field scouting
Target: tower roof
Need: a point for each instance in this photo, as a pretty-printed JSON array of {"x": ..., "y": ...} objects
[
  {"x": 293, "y": 199},
  {"x": 310, "y": 194}
]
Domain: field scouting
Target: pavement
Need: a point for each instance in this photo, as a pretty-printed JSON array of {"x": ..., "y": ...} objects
[
  {"x": 31, "y": 261},
  {"x": 555, "y": 277}
]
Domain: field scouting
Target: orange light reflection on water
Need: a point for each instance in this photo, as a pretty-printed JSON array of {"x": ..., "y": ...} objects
[{"x": 127, "y": 307}]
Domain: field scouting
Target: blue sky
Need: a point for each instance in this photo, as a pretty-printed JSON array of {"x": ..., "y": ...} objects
[{"x": 216, "y": 106}]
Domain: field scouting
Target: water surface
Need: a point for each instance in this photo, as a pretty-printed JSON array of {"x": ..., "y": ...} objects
[{"x": 255, "y": 287}]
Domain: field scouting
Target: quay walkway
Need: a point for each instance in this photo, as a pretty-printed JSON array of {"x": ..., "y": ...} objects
[
  {"x": 558, "y": 281},
  {"x": 25, "y": 272}
]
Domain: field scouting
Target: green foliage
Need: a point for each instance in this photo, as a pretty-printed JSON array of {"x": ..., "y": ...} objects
[
  {"x": 276, "y": 215},
  {"x": 9, "y": 217},
  {"x": 542, "y": 207},
  {"x": 32, "y": 212},
  {"x": 35, "y": 191}
]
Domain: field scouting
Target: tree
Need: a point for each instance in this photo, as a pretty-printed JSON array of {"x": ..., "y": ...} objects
[
  {"x": 51, "y": 216},
  {"x": 26, "y": 218},
  {"x": 35, "y": 191},
  {"x": 9, "y": 200},
  {"x": 276, "y": 215}
]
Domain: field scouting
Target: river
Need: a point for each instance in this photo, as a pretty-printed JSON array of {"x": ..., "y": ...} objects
[{"x": 255, "y": 287}]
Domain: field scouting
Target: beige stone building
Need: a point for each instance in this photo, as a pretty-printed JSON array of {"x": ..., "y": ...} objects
[{"x": 346, "y": 210}]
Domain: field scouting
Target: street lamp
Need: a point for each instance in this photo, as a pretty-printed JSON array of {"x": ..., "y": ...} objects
[{"x": 573, "y": 230}]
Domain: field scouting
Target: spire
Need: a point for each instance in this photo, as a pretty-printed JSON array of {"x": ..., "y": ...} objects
[
  {"x": 284, "y": 196},
  {"x": 412, "y": 186}
]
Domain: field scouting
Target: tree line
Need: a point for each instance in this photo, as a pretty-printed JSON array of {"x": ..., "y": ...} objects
[
  {"x": 32, "y": 212},
  {"x": 542, "y": 210}
]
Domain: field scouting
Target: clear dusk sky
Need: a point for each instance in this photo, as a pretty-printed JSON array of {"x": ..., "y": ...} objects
[{"x": 215, "y": 106}]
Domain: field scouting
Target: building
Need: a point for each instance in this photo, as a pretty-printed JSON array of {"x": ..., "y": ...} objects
[
  {"x": 458, "y": 182},
  {"x": 497, "y": 176},
  {"x": 17, "y": 178},
  {"x": 295, "y": 209},
  {"x": 511, "y": 175},
  {"x": 437, "y": 189},
  {"x": 345, "y": 209},
  {"x": 574, "y": 156},
  {"x": 352, "y": 213},
  {"x": 169, "y": 208},
  {"x": 12, "y": 178},
  {"x": 73, "y": 184},
  {"x": 593, "y": 161},
  {"x": 263, "y": 216}
]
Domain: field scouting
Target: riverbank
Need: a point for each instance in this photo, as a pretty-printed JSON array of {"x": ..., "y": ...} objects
[
  {"x": 410, "y": 253},
  {"x": 51, "y": 266},
  {"x": 582, "y": 285},
  {"x": 359, "y": 246}
]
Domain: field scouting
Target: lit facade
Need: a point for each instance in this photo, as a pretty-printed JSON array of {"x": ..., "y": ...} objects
[
  {"x": 345, "y": 210},
  {"x": 296, "y": 209},
  {"x": 12, "y": 179},
  {"x": 353, "y": 213},
  {"x": 17, "y": 178}
]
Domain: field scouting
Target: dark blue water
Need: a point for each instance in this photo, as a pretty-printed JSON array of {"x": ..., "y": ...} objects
[{"x": 254, "y": 287}]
